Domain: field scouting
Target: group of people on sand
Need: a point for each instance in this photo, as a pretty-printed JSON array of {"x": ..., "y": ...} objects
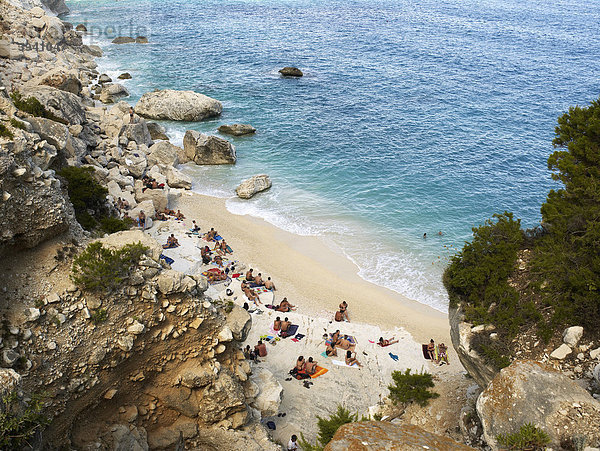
[
  {"x": 342, "y": 342},
  {"x": 438, "y": 354},
  {"x": 304, "y": 368},
  {"x": 151, "y": 183},
  {"x": 282, "y": 327}
]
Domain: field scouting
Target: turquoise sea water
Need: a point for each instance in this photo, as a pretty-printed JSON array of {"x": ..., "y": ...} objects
[{"x": 412, "y": 116}]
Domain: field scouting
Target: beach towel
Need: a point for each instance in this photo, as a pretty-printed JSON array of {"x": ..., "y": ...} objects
[
  {"x": 229, "y": 249},
  {"x": 352, "y": 339},
  {"x": 218, "y": 238},
  {"x": 271, "y": 306},
  {"x": 168, "y": 260},
  {"x": 260, "y": 289},
  {"x": 394, "y": 357},
  {"x": 324, "y": 354},
  {"x": 292, "y": 330},
  {"x": 236, "y": 275},
  {"x": 341, "y": 363},
  {"x": 425, "y": 353},
  {"x": 320, "y": 371}
]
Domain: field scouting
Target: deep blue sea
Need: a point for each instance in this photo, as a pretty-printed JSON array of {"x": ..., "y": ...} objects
[{"x": 413, "y": 117}]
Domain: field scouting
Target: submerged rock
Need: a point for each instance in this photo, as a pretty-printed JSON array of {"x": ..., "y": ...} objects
[
  {"x": 253, "y": 185},
  {"x": 207, "y": 149},
  {"x": 291, "y": 72},
  {"x": 178, "y": 105},
  {"x": 124, "y": 76},
  {"x": 141, "y": 40},
  {"x": 123, "y": 40},
  {"x": 81, "y": 27},
  {"x": 237, "y": 129},
  {"x": 532, "y": 392}
]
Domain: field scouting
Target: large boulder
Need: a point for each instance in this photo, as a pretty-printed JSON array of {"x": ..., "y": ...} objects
[
  {"x": 157, "y": 131},
  {"x": 53, "y": 132},
  {"x": 120, "y": 239},
  {"x": 239, "y": 322},
  {"x": 111, "y": 92},
  {"x": 207, "y": 149},
  {"x": 177, "y": 105},
  {"x": 53, "y": 31},
  {"x": 137, "y": 132},
  {"x": 123, "y": 40},
  {"x": 170, "y": 281},
  {"x": 237, "y": 129},
  {"x": 135, "y": 162},
  {"x": 163, "y": 153},
  {"x": 268, "y": 399},
  {"x": 61, "y": 78},
  {"x": 253, "y": 185},
  {"x": 536, "y": 393},
  {"x": 382, "y": 435},
  {"x": 291, "y": 72},
  {"x": 461, "y": 334},
  {"x": 159, "y": 197},
  {"x": 177, "y": 179},
  {"x": 64, "y": 105}
]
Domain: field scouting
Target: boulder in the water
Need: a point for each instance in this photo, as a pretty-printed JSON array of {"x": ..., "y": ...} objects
[
  {"x": 123, "y": 40},
  {"x": 253, "y": 185},
  {"x": 237, "y": 129},
  {"x": 291, "y": 72},
  {"x": 169, "y": 104}
]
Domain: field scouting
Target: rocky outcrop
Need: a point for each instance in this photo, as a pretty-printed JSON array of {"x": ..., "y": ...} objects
[
  {"x": 253, "y": 185},
  {"x": 237, "y": 129},
  {"x": 381, "y": 435},
  {"x": 291, "y": 72},
  {"x": 206, "y": 149},
  {"x": 174, "y": 105},
  {"x": 111, "y": 92},
  {"x": 461, "y": 334},
  {"x": 157, "y": 131},
  {"x": 267, "y": 392},
  {"x": 532, "y": 392},
  {"x": 120, "y": 239},
  {"x": 137, "y": 132},
  {"x": 64, "y": 105},
  {"x": 61, "y": 78},
  {"x": 239, "y": 322},
  {"x": 163, "y": 153},
  {"x": 177, "y": 179},
  {"x": 57, "y": 7}
]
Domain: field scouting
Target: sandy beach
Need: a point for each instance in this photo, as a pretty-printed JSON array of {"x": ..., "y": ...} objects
[
  {"x": 316, "y": 279},
  {"x": 310, "y": 274}
]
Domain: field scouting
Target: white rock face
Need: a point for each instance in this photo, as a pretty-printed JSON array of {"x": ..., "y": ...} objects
[
  {"x": 572, "y": 335},
  {"x": 253, "y": 185},
  {"x": 595, "y": 353},
  {"x": 561, "y": 352},
  {"x": 163, "y": 153},
  {"x": 178, "y": 105},
  {"x": 269, "y": 398},
  {"x": 177, "y": 179},
  {"x": 170, "y": 281}
]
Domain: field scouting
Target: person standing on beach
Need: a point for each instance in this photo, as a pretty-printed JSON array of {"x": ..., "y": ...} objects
[{"x": 130, "y": 115}]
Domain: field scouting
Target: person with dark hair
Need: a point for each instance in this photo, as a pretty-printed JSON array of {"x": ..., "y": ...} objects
[
  {"x": 131, "y": 120},
  {"x": 344, "y": 311},
  {"x": 277, "y": 324},
  {"x": 431, "y": 350},
  {"x": 293, "y": 444},
  {"x": 351, "y": 360},
  {"x": 311, "y": 366},
  {"x": 260, "y": 349}
]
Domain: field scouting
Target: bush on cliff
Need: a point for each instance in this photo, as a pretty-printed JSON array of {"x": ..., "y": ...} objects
[
  {"x": 86, "y": 195},
  {"x": 328, "y": 427},
  {"x": 567, "y": 255},
  {"x": 529, "y": 437},
  {"x": 34, "y": 107},
  {"x": 18, "y": 423},
  {"x": 408, "y": 388},
  {"x": 102, "y": 269},
  {"x": 5, "y": 132}
]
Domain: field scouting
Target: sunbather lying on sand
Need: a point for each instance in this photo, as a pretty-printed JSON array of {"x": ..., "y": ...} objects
[
  {"x": 169, "y": 212},
  {"x": 383, "y": 343},
  {"x": 285, "y": 306},
  {"x": 350, "y": 359},
  {"x": 345, "y": 344}
]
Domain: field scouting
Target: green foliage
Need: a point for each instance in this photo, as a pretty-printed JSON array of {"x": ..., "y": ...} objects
[
  {"x": 99, "y": 268},
  {"x": 529, "y": 437},
  {"x": 111, "y": 224},
  {"x": 568, "y": 254},
  {"x": 17, "y": 124},
  {"x": 34, "y": 107},
  {"x": 408, "y": 388},
  {"x": 5, "y": 132},
  {"x": 18, "y": 424},
  {"x": 86, "y": 195},
  {"x": 328, "y": 427},
  {"x": 99, "y": 316}
]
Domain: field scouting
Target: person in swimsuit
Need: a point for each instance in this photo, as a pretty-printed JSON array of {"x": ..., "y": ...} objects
[
  {"x": 345, "y": 344},
  {"x": 351, "y": 360},
  {"x": 330, "y": 350},
  {"x": 269, "y": 285},
  {"x": 335, "y": 338},
  {"x": 277, "y": 324},
  {"x": 443, "y": 354},
  {"x": 131, "y": 121},
  {"x": 344, "y": 310},
  {"x": 383, "y": 343},
  {"x": 311, "y": 366},
  {"x": 285, "y": 306},
  {"x": 431, "y": 350},
  {"x": 249, "y": 275}
]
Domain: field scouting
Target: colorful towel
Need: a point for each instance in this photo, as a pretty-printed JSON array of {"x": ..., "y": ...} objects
[
  {"x": 324, "y": 354},
  {"x": 340, "y": 363},
  {"x": 229, "y": 249},
  {"x": 259, "y": 290},
  {"x": 320, "y": 371},
  {"x": 352, "y": 339},
  {"x": 218, "y": 238},
  {"x": 235, "y": 276}
]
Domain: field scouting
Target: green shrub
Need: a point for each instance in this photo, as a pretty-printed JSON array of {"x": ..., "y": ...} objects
[
  {"x": 529, "y": 437},
  {"x": 408, "y": 388},
  {"x": 17, "y": 124},
  {"x": 86, "y": 195},
  {"x": 100, "y": 268},
  {"x": 34, "y": 107},
  {"x": 111, "y": 225},
  {"x": 99, "y": 316},
  {"x": 18, "y": 424},
  {"x": 5, "y": 132},
  {"x": 328, "y": 427}
]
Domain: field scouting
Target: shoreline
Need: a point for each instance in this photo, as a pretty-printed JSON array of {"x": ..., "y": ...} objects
[{"x": 310, "y": 274}]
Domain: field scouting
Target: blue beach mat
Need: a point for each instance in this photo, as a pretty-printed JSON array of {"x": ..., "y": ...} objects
[{"x": 168, "y": 260}]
